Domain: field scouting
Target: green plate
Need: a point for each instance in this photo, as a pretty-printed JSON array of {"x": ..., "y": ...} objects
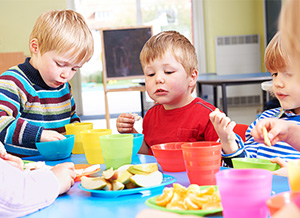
[{"x": 151, "y": 203}]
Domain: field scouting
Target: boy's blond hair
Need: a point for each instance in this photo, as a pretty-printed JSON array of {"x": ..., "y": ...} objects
[
  {"x": 182, "y": 49},
  {"x": 64, "y": 31},
  {"x": 275, "y": 56}
]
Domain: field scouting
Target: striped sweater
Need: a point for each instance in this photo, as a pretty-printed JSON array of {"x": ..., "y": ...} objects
[
  {"x": 283, "y": 150},
  {"x": 28, "y": 105}
]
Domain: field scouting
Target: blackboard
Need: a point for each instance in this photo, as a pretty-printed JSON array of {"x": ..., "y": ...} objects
[{"x": 121, "y": 51}]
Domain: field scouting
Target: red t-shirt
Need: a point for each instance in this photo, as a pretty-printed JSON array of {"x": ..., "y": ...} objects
[{"x": 186, "y": 124}]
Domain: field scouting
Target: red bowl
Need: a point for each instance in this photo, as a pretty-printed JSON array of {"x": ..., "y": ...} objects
[
  {"x": 169, "y": 156},
  {"x": 276, "y": 202}
]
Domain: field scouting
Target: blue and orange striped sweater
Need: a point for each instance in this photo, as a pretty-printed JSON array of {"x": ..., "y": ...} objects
[{"x": 28, "y": 105}]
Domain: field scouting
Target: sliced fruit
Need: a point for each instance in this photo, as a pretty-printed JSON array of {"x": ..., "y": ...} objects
[
  {"x": 117, "y": 186},
  {"x": 124, "y": 177},
  {"x": 208, "y": 191},
  {"x": 108, "y": 187},
  {"x": 165, "y": 197},
  {"x": 193, "y": 189},
  {"x": 123, "y": 168},
  {"x": 110, "y": 174},
  {"x": 190, "y": 204},
  {"x": 212, "y": 206},
  {"x": 131, "y": 185},
  {"x": 93, "y": 182},
  {"x": 143, "y": 169},
  {"x": 179, "y": 189},
  {"x": 176, "y": 205},
  {"x": 151, "y": 179}
]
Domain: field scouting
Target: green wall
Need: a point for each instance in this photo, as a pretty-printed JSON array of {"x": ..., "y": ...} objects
[
  {"x": 17, "y": 18},
  {"x": 231, "y": 17}
]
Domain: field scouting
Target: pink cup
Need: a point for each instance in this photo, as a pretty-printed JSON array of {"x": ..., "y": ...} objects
[
  {"x": 244, "y": 192},
  {"x": 202, "y": 161}
]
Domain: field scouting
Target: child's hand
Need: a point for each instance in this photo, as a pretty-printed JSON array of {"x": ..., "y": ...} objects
[
  {"x": 50, "y": 135},
  {"x": 224, "y": 128},
  {"x": 283, "y": 166},
  {"x": 277, "y": 130},
  {"x": 125, "y": 123},
  {"x": 65, "y": 174},
  {"x": 13, "y": 160}
]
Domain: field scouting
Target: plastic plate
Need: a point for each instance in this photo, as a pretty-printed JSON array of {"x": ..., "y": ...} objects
[
  {"x": 144, "y": 191},
  {"x": 151, "y": 203}
]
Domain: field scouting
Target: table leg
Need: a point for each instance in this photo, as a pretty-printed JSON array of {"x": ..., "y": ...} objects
[
  {"x": 142, "y": 104},
  {"x": 224, "y": 99},
  {"x": 215, "y": 91}
]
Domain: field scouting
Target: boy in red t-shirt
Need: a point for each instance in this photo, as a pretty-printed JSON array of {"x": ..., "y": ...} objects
[{"x": 169, "y": 63}]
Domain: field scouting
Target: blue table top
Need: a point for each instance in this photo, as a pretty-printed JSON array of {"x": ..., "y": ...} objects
[{"x": 79, "y": 203}]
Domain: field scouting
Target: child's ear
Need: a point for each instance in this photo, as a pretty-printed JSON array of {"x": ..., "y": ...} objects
[
  {"x": 193, "y": 78},
  {"x": 34, "y": 46}
]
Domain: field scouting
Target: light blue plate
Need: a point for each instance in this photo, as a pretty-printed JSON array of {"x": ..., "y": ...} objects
[{"x": 167, "y": 179}]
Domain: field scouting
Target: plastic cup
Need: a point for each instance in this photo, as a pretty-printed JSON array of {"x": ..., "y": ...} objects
[
  {"x": 116, "y": 149},
  {"x": 202, "y": 161},
  {"x": 92, "y": 146},
  {"x": 293, "y": 167},
  {"x": 244, "y": 192},
  {"x": 75, "y": 129}
]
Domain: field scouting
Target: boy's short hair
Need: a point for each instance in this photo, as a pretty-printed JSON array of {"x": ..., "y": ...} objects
[
  {"x": 182, "y": 49},
  {"x": 276, "y": 58},
  {"x": 64, "y": 31}
]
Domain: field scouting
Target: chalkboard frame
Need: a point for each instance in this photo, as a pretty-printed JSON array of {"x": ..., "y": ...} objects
[{"x": 127, "y": 41}]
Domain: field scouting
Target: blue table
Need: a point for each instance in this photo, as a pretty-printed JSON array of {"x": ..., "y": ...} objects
[
  {"x": 78, "y": 203},
  {"x": 227, "y": 80}
]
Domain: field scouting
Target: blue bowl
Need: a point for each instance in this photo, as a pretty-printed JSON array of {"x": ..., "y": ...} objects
[
  {"x": 56, "y": 150},
  {"x": 138, "y": 139}
]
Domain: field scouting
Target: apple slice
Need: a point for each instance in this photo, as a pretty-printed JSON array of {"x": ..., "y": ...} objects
[
  {"x": 123, "y": 168},
  {"x": 110, "y": 174},
  {"x": 117, "y": 186},
  {"x": 124, "y": 178},
  {"x": 143, "y": 169},
  {"x": 151, "y": 179},
  {"x": 93, "y": 182}
]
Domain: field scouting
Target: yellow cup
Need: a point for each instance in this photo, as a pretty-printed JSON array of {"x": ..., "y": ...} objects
[
  {"x": 92, "y": 146},
  {"x": 75, "y": 129},
  {"x": 294, "y": 175}
]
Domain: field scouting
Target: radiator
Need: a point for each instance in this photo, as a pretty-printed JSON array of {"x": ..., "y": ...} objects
[{"x": 236, "y": 55}]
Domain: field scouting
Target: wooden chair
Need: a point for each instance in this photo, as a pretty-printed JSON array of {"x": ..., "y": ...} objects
[{"x": 241, "y": 129}]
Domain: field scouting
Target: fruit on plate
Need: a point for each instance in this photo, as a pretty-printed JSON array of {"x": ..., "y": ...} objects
[
  {"x": 93, "y": 182},
  {"x": 110, "y": 174},
  {"x": 123, "y": 178},
  {"x": 117, "y": 186},
  {"x": 148, "y": 180},
  {"x": 123, "y": 168},
  {"x": 192, "y": 198},
  {"x": 143, "y": 169}
]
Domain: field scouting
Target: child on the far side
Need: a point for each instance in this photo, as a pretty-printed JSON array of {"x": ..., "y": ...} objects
[
  {"x": 169, "y": 63},
  {"x": 286, "y": 87},
  {"x": 36, "y": 101}
]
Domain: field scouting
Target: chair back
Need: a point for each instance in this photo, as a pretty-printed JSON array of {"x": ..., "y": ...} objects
[{"x": 241, "y": 129}]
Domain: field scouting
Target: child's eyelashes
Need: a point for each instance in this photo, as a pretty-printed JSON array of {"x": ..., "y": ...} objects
[
  {"x": 274, "y": 74},
  {"x": 169, "y": 72}
]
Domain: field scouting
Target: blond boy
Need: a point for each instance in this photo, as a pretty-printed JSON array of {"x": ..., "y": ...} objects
[{"x": 36, "y": 101}]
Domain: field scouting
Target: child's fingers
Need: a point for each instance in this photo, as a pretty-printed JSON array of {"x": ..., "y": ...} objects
[{"x": 266, "y": 137}]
